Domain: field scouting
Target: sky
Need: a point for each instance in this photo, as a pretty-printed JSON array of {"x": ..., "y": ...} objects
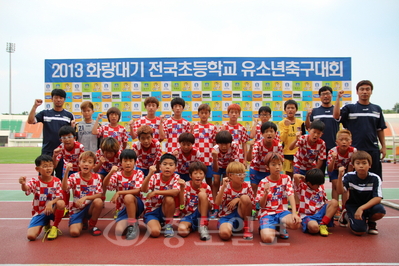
[{"x": 365, "y": 30}]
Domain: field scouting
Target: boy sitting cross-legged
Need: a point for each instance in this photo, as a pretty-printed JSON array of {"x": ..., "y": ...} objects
[
  {"x": 162, "y": 189},
  {"x": 127, "y": 184}
]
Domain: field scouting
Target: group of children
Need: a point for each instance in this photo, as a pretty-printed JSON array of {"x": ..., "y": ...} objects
[{"x": 201, "y": 175}]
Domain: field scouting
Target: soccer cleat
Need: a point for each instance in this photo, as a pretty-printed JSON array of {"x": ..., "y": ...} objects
[
  {"x": 284, "y": 234},
  {"x": 47, "y": 227},
  {"x": 372, "y": 228},
  {"x": 53, "y": 233},
  {"x": 204, "y": 234},
  {"x": 168, "y": 231},
  {"x": 214, "y": 214},
  {"x": 66, "y": 212},
  {"x": 343, "y": 219},
  {"x": 116, "y": 214},
  {"x": 323, "y": 230},
  {"x": 337, "y": 214},
  {"x": 132, "y": 231},
  {"x": 248, "y": 235},
  {"x": 95, "y": 231}
]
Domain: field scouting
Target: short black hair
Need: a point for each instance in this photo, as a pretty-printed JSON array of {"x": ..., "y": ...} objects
[
  {"x": 168, "y": 156},
  {"x": 223, "y": 137},
  {"x": 268, "y": 125},
  {"x": 66, "y": 130},
  {"x": 176, "y": 101},
  {"x": 315, "y": 176},
  {"x": 264, "y": 109},
  {"x": 317, "y": 124},
  {"x": 43, "y": 158},
  {"x": 291, "y": 102},
  {"x": 128, "y": 154},
  {"x": 325, "y": 88},
  {"x": 186, "y": 137},
  {"x": 58, "y": 92},
  {"x": 197, "y": 165}
]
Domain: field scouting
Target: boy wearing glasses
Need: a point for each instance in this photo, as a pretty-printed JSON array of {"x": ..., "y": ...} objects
[
  {"x": 69, "y": 150},
  {"x": 325, "y": 114},
  {"x": 236, "y": 199}
]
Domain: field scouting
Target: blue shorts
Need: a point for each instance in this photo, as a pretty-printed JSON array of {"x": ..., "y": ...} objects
[
  {"x": 234, "y": 219},
  {"x": 145, "y": 171},
  {"x": 361, "y": 225},
  {"x": 186, "y": 177},
  {"x": 221, "y": 172},
  {"x": 103, "y": 172},
  {"x": 333, "y": 175},
  {"x": 156, "y": 214},
  {"x": 122, "y": 215},
  {"x": 209, "y": 172},
  {"x": 318, "y": 216},
  {"x": 256, "y": 176},
  {"x": 41, "y": 220},
  {"x": 193, "y": 219},
  {"x": 77, "y": 218},
  {"x": 273, "y": 220},
  {"x": 298, "y": 170}
]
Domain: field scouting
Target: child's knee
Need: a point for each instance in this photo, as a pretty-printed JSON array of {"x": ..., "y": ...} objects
[
  {"x": 333, "y": 203},
  {"x": 129, "y": 198},
  {"x": 74, "y": 232},
  {"x": 169, "y": 201},
  {"x": 60, "y": 204},
  {"x": 31, "y": 236},
  {"x": 97, "y": 203},
  {"x": 154, "y": 232},
  {"x": 267, "y": 236},
  {"x": 313, "y": 228},
  {"x": 245, "y": 200},
  {"x": 183, "y": 231},
  {"x": 225, "y": 232}
]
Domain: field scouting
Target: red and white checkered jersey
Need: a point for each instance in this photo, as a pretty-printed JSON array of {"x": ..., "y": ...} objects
[
  {"x": 81, "y": 188},
  {"x": 229, "y": 194},
  {"x": 71, "y": 156},
  {"x": 342, "y": 159},
  {"x": 310, "y": 201},
  {"x": 191, "y": 197},
  {"x": 107, "y": 165},
  {"x": 204, "y": 138},
  {"x": 307, "y": 155},
  {"x": 153, "y": 123},
  {"x": 43, "y": 192},
  {"x": 172, "y": 129},
  {"x": 259, "y": 136},
  {"x": 156, "y": 183},
  {"x": 232, "y": 155},
  {"x": 183, "y": 161},
  {"x": 146, "y": 158},
  {"x": 239, "y": 134},
  {"x": 277, "y": 198},
  {"x": 119, "y": 182},
  {"x": 259, "y": 152},
  {"x": 119, "y": 133}
]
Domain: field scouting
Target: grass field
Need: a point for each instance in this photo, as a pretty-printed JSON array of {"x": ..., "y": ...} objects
[{"x": 19, "y": 155}]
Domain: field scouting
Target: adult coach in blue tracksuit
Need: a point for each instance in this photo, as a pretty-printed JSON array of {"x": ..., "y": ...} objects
[
  {"x": 366, "y": 123},
  {"x": 52, "y": 119},
  {"x": 325, "y": 114}
]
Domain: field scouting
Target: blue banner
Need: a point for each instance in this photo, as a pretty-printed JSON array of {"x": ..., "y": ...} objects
[{"x": 198, "y": 69}]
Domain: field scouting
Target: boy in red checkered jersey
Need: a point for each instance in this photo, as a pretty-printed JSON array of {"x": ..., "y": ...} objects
[
  {"x": 151, "y": 104},
  {"x": 186, "y": 154},
  {"x": 172, "y": 127},
  {"x": 264, "y": 113},
  {"x": 113, "y": 129},
  {"x": 262, "y": 147},
  {"x": 274, "y": 192},
  {"x": 148, "y": 149},
  {"x": 236, "y": 199},
  {"x": 47, "y": 199},
  {"x": 196, "y": 201},
  {"x": 162, "y": 189},
  {"x": 238, "y": 131},
  {"x": 224, "y": 152},
  {"x": 87, "y": 189},
  {"x": 314, "y": 210},
  {"x": 69, "y": 150},
  {"x": 338, "y": 156},
  {"x": 311, "y": 149},
  {"x": 127, "y": 184},
  {"x": 205, "y": 133}
]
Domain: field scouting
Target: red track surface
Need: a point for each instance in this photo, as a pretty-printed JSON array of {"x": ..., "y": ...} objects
[{"x": 339, "y": 247}]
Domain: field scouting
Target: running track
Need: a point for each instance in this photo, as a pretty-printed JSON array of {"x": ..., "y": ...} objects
[{"x": 340, "y": 247}]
